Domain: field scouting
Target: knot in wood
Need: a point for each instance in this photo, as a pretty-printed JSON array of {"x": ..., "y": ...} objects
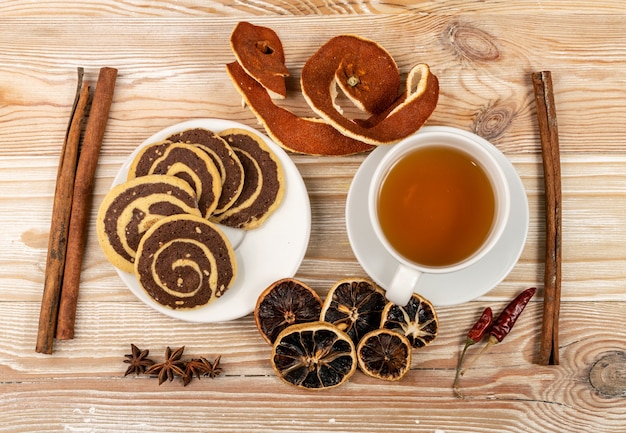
[
  {"x": 471, "y": 43},
  {"x": 492, "y": 121},
  {"x": 608, "y": 375}
]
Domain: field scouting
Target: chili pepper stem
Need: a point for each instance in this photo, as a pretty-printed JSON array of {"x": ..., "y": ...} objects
[
  {"x": 491, "y": 342},
  {"x": 474, "y": 335},
  {"x": 457, "y": 377}
]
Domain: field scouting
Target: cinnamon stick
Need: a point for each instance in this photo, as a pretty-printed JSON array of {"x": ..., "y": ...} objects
[
  {"x": 546, "y": 116},
  {"x": 59, "y": 225},
  {"x": 81, "y": 203}
]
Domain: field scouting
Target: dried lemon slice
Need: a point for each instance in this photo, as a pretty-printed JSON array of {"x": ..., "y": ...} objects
[
  {"x": 314, "y": 355},
  {"x": 417, "y": 320},
  {"x": 354, "y": 305},
  {"x": 384, "y": 354},
  {"x": 285, "y": 302}
]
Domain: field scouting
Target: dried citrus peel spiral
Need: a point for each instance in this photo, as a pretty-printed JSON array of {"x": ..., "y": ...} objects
[
  {"x": 296, "y": 134},
  {"x": 373, "y": 90},
  {"x": 364, "y": 71},
  {"x": 260, "y": 52},
  {"x": 369, "y": 77}
]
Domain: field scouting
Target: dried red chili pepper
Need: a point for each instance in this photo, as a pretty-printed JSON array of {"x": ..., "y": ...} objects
[
  {"x": 497, "y": 331},
  {"x": 480, "y": 328},
  {"x": 474, "y": 335},
  {"x": 505, "y": 321}
]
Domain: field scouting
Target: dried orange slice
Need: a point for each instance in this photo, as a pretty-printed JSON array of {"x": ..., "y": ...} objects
[
  {"x": 384, "y": 354},
  {"x": 417, "y": 320},
  {"x": 285, "y": 302},
  {"x": 354, "y": 305},
  {"x": 314, "y": 355}
]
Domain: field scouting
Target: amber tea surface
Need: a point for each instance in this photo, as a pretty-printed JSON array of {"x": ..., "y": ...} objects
[{"x": 436, "y": 206}]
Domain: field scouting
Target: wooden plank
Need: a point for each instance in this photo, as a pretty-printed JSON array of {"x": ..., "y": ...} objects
[
  {"x": 199, "y": 8},
  {"x": 171, "y": 57},
  {"x": 594, "y": 203},
  {"x": 488, "y": 95},
  {"x": 506, "y": 389}
]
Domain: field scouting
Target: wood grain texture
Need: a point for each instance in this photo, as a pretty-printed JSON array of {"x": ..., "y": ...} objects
[
  {"x": 87, "y": 376},
  {"x": 170, "y": 56},
  {"x": 482, "y": 66},
  {"x": 195, "y": 8}
]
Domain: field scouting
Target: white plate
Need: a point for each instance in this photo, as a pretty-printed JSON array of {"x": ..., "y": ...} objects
[
  {"x": 441, "y": 289},
  {"x": 264, "y": 255}
]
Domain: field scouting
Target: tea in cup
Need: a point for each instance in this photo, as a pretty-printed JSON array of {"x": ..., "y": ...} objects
[{"x": 439, "y": 202}]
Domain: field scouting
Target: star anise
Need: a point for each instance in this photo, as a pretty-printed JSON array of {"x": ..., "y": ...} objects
[
  {"x": 212, "y": 369},
  {"x": 172, "y": 366},
  {"x": 138, "y": 361},
  {"x": 194, "y": 367}
]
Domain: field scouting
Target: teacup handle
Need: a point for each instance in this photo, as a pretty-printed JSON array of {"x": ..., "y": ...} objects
[{"x": 402, "y": 285}]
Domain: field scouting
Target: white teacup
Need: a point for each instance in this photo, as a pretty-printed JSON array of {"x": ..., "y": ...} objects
[{"x": 450, "y": 142}]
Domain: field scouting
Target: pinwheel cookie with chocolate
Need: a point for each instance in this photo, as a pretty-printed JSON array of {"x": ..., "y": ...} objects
[
  {"x": 131, "y": 208},
  {"x": 264, "y": 182},
  {"x": 185, "y": 261},
  {"x": 225, "y": 159},
  {"x": 185, "y": 161}
]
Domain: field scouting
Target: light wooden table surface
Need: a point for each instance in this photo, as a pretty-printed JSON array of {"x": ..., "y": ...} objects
[{"x": 171, "y": 57}]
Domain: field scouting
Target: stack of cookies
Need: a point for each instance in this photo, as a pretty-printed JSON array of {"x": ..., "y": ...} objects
[{"x": 163, "y": 222}]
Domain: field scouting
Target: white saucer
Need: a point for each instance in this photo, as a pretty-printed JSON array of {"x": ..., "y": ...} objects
[
  {"x": 441, "y": 289},
  {"x": 264, "y": 255}
]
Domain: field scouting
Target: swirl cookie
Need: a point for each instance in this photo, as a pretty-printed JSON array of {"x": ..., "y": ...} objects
[
  {"x": 131, "y": 208},
  {"x": 264, "y": 182},
  {"x": 185, "y": 261},
  {"x": 227, "y": 163},
  {"x": 186, "y": 162}
]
